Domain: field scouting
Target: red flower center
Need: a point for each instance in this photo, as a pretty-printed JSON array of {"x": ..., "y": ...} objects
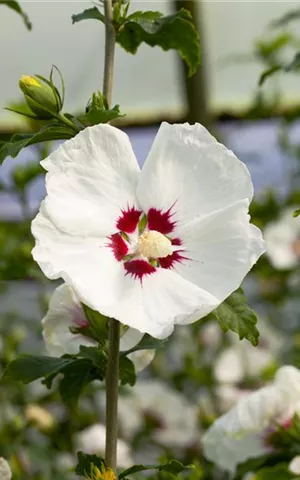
[{"x": 135, "y": 229}]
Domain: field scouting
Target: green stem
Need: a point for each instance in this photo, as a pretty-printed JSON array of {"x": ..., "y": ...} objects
[
  {"x": 110, "y": 44},
  {"x": 68, "y": 122},
  {"x": 197, "y": 86},
  {"x": 112, "y": 374},
  {"x": 112, "y": 383}
]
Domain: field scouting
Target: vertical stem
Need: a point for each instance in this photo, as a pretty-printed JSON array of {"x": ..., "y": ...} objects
[
  {"x": 112, "y": 383},
  {"x": 110, "y": 43},
  {"x": 197, "y": 86},
  {"x": 112, "y": 374}
]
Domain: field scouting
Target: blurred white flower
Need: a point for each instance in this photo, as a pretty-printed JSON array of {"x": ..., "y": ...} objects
[
  {"x": 283, "y": 240},
  {"x": 65, "y": 311},
  {"x": 5, "y": 471},
  {"x": 174, "y": 419},
  {"x": 243, "y": 432},
  {"x": 294, "y": 466},
  {"x": 228, "y": 395},
  {"x": 241, "y": 362},
  {"x": 65, "y": 461},
  {"x": 91, "y": 440},
  {"x": 151, "y": 248},
  {"x": 211, "y": 335}
]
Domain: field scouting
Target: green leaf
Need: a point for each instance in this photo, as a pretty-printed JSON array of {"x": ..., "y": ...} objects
[
  {"x": 294, "y": 64},
  {"x": 98, "y": 324},
  {"x": 88, "y": 14},
  {"x": 286, "y": 18},
  {"x": 77, "y": 373},
  {"x": 22, "y": 140},
  {"x": 296, "y": 212},
  {"x": 27, "y": 368},
  {"x": 173, "y": 467},
  {"x": 96, "y": 115},
  {"x": 76, "y": 376},
  {"x": 251, "y": 465},
  {"x": 171, "y": 32},
  {"x": 278, "y": 472},
  {"x": 146, "y": 343},
  {"x": 267, "y": 49},
  {"x": 16, "y": 7},
  {"x": 97, "y": 356},
  {"x": 20, "y": 112},
  {"x": 268, "y": 73},
  {"x": 234, "y": 314},
  {"x": 87, "y": 462},
  {"x": 127, "y": 371}
]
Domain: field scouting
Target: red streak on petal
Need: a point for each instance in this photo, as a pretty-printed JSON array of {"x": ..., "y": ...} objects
[
  {"x": 160, "y": 221},
  {"x": 176, "y": 241},
  {"x": 118, "y": 246},
  {"x": 79, "y": 318},
  {"x": 138, "y": 268},
  {"x": 128, "y": 221},
  {"x": 170, "y": 260}
]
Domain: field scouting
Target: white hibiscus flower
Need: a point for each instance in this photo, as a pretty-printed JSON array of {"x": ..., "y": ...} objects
[
  {"x": 283, "y": 240},
  {"x": 66, "y": 312},
  {"x": 91, "y": 440},
  {"x": 151, "y": 248},
  {"x": 244, "y": 431},
  {"x": 5, "y": 471}
]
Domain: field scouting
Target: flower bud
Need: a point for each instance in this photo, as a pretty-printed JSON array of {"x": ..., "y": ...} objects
[{"x": 43, "y": 100}]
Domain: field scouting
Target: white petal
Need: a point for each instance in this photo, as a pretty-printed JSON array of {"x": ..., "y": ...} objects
[
  {"x": 5, "y": 471},
  {"x": 91, "y": 178},
  {"x": 64, "y": 312},
  {"x": 130, "y": 338},
  {"x": 189, "y": 169},
  {"x": 280, "y": 237},
  {"x": 160, "y": 301},
  {"x": 294, "y": 466},
  {"x": 83, "y": 262},
  {"x": 287, "y": 379},
  {"x": 222, "y": 246},
  {"x": 141, "y": 358}
]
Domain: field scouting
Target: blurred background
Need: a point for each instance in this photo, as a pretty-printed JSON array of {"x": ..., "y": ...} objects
[{"x": 202, "y": 371}]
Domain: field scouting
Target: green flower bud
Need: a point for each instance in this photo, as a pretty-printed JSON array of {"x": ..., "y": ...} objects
[{"x": 43, "y": 100}]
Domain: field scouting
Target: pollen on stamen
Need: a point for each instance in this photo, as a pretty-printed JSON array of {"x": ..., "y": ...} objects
[
  {"x": 160, "y": 221},
  {"x": 118, "y": 246},
  {"x": 128, "y": 220},
  {"x": 138, "y": 268}
]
